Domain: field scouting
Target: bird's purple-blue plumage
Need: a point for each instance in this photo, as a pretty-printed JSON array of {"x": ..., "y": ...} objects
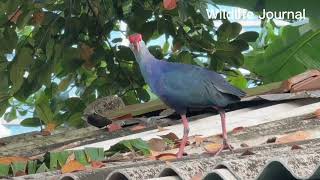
[{"x": 182, "y": 86}]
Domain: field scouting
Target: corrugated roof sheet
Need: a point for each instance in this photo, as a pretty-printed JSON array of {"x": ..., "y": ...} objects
[
  {"x": 265, "y": 161},
  {"x": 268, "y": 163}
]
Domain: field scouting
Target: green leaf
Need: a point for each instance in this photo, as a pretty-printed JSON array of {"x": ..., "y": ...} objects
[
  {"x": 11, "y": 115},
  {"x": 22, "y": 112},
  {"x": 21, "y": 62},
  {"x": 81, "y": 156},
  {"x": 94, "y": 154},
  {"x": 230, "y": 53},
  {"x": 16, "y": 77},
  {"x": 126, "y": 7},
  {"x": 24, "y": 18},
  {"x": 148, "y": 29},
  {"x": 143, "y": 94},
  {"x": 18, "y": 167},
  {"x": 156, "y": 51},
  {"x": 44, "y": 112},
  {"x": 30, "y": 122},
  {"x": 4, "y": 169},
  {"x": 43, "y": 168},
  {"x": 49, "y": 48},
  {"x": 8, "y": 40},
  {"x": 124, "y": 53},
  {"x": 228, "y": 31},
  {"x": 289, "y": 54},
  {"x": 165, "y": 47},
  {"x": 185, "y": 57},
  {"x": 75, "y": 104},
  {"x": 133, "y": 145},
  {"x": 249, "y": 36},
  {"x": 240, "y": 44},
  {"x": 130, "y": 98},
  {"x": 65, "y": 82},
  {"x": 4, "y": 104},
  {"x": 32, "y": 167},
  {"x": 58, "y": 159},
  {"x": 237, "y": 80},
  {"x": 52, "y": 90},
  {"x": 166, "y": 26},
  {"x": 216, "y": 63},
  {"x": 75, "y": 120},
  {"x": 117, "y": 40},
  {"x": 3, "y": 18},
  {"x": 3, "y": 65},
  {"x": 4, "y": 82},
  {"x": 44, "y": 77},
  {"x": 183, "y": 10},
  {"x": 43, "y": 109},
  {"x": 71, "y": 60}
]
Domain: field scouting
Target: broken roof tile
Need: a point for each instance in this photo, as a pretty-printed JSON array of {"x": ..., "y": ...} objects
[{"x": 308, "y": 80}]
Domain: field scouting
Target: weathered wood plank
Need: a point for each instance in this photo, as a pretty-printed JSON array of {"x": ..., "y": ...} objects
[{"x": 138, "y": 109}]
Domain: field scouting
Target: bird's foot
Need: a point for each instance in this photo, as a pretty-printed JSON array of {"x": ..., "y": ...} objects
[{"x": 224, "y": 146}]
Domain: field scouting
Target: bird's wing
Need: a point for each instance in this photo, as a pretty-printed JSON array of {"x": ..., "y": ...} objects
[
  {"x": 222, "y": 85},
  {"x": 190, "y": 87},
  {"x": 197, "y": 76}
]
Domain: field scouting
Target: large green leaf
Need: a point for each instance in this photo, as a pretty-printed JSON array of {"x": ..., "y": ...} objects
[
  {"x": 3, "y": 105},
  {"x": 58, "y": 159},
  {"x": 8, "y": 40},
  {"x": 228, "y": 31},
  {"x": 94, "y": 154},
  {"x": 133, "y": 145},
  {"x": 124, "y": 53},
  {"x": 75, "y": 120},
  {"x": 237, "y": 79},
  {"x": 43, "y": 109},
  {"x": 75, "y": 104},
  {"x": 30, "y": 122},
  {"x": 42, "y": 168},
  {"x": 80, "y": 156},
  {"x": 289, "y": 54},
  {"x": 4, "y": 83},
  {"x": 32, "y": 166},
  {"x": 4, "y": 169},
  {"x": 21, "y": 62},
  {"x": 18, "y": 167}
]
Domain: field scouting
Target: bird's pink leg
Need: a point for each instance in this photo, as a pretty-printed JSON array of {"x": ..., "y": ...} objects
[
  {"x": 225, "y": 144},
  {"x": 185, "y": 135}
]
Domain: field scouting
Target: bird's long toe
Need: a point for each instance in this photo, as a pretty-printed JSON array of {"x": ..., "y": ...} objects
[{"x": 225, "y": 146}]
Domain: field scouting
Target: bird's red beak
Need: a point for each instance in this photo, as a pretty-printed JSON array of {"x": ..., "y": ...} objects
[{"x": 135, "y": 40}]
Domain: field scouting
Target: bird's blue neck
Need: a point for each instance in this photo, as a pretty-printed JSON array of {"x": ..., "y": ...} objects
[{"x": 148, "y": 65}]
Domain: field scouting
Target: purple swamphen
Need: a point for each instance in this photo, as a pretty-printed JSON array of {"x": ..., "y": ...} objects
[{"x": 183, "y": 86}]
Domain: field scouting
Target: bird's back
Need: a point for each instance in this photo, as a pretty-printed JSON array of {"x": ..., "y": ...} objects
[{"x": 182, "y": 86}]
